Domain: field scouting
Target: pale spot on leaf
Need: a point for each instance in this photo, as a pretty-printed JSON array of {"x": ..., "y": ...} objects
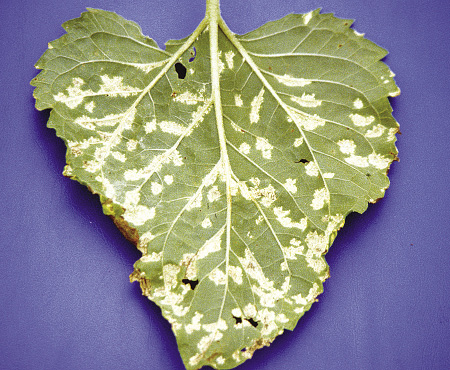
[
  {"x": 321, "y": 196},
  {"x": 361, "y": 121},
  {"x": 256, "y": 106}
]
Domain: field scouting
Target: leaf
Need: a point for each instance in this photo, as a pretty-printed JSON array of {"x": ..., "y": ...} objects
[{"x": 230, "y": 161}]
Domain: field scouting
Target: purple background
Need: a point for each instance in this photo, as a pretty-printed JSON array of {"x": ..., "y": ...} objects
[{"x": 65, "y": 299}]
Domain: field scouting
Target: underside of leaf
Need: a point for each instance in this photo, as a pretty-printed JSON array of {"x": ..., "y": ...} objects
[{"x": 230, "y": 161}]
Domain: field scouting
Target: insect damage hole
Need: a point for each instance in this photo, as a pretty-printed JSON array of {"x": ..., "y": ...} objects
[
  {"x": 303, "y": 160},
  {"x": 238, "y": 319},
  {"x": 181, "y": 70},
  {"x": 192, "y": 283},
  {"x": 252, "y": 322}
]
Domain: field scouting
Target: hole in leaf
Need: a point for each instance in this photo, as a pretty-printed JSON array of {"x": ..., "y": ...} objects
[
  {"x": 238, "y": 319},
  {"x": 181, "y": 70},
  {"x": 192, "y": 283},
  {"x": 252, "y": 322},
  {"x": 195, "y": 54},
  {"x": 303, "y": 160}
]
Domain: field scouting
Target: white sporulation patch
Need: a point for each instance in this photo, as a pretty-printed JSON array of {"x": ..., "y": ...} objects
[
  {"x": 206, "y": 223},
  {"x": 328, "y": 175},
  {"x": 213, "y": 194},
  {"x": 291, "y": 252},
  {"x": 284, "y": 266},
  {"x": 292, "y": 81},
  {"x": 172, "y": 128},
  {"x": 75, "y": 94},
  {"x": 190, "y": 261},
  {"x": 317, "y": 243},
  {"x": 171, "y": 156},
  {"x": 307, "y": 17},
  {"x": 170, "y": 272},
  {"x": 154, "y": 257},
  {"x": 77, "y": 148},
  {"x": 266, "y": 195},
  {"x": 150, "y": 126},
  {"x": 124, "y": 119},
  {"x": 235, "y": 272},
  {"x": 358, "y": 104},
  {"x": 256, "y": 106},
  {"x": 307, "y": 100},
  {"x": 132, "y": 145},
  {"x": 259, "y": 219},
  {"x": 347, "y": 146},
  {"x": 357, "y": 160},
  {"x": 391, "y": 134},
  {"x": 361, "y": 121},
  {"x": 298, "y": 141},
  {"x": 312, "y": 169},
  {"x": 119, "y": 156},
  {"x": 229, "y": 55},
  {"x": 285, "y": 221},
  {"x": 195, "y": 201},
  {"x": 212, "y": 245},
  {"x": 238, "y": 100},
  {"x": 139, "y": 214},
  {"x": 195, "y": 324},
  {"x": 244, "y": 148},
  {"x": 289, "y": 185},
  {"x": 189, "y": 98},
  {"x": 305, "y": 121},
  {"x": 218, "y": 277},
  {"x": 90, "y": 106},
  {"x": 379, "y": 161},
  {"x": 220, "y": 360},
  {"x": 113, "y": 86},
  {"x": 107, "y": 186},
  {"x": 317, "y": 264},
  {"x": 168, "y": 179},
  {"x": 268, "y": 294},
  {"x": 147, "y": 67},
  {"x": 156, "y": 188},
  {"x": 321, "y": 197},
  {"x": 264, "y": 146},
  {"x": 376, "y": 131},
  {"x": 310, "y": 298}
]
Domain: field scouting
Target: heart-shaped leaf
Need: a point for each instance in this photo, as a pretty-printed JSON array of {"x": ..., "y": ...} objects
[{"x": 230, "y": 161}]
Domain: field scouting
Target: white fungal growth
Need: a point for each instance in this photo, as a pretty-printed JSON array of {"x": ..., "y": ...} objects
[
  {"x": 265, "y": 147},
  {"x": 307, "y": 100},
  {"x": 317, "y": 243},
  {"x": 347, "y": 146},
  {"x": 218, "y": 277},
  {"x": 154, "y": 257},
  {"x": 168, "y": 179},
  {"x": 189, "y": 98},
  {"x": 357, "y": 160},
  {"x": 214, "y": 194},
  {"x": 132, "y": 145},
  {"x": 289, "y": 185},
  {"x": 206, "y": 223},
  {"x": 90, "y": 106},
  {"x": 358, "y": 104},
  {"x": 150, "y": 126},
  {"x": 321, "y": 196},
  {"x": 156, "y": 188},
  {"x": 256, "y": 106},
  {"x": 113, "y": 86},
  {"x": 238, "y": 100},
  {"x": 298, "y": 141},
  {"x": 212, "y": 245},
  {"x": 312, "y": 169},
  {"x": 376, "y": 131},
  {"x": 139, "y": 214},
  {"x": 195, "y": 324},
  {"x": 285, "y": 221},
  {"x": 244, "y": 148},
  {"x": 292, "y": 81},
  {"x": 379, "y": 161},
  {"x": 75, "y": 94},
  {"x": 361, "y": 121},
  {"x": 229, "y": 55},
  {"x": 235, "y": 273},
  {"x": 172, "y": 128}
]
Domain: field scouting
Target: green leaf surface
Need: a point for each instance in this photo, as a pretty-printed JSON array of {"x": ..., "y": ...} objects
[{"x": 230, "y": 161}]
